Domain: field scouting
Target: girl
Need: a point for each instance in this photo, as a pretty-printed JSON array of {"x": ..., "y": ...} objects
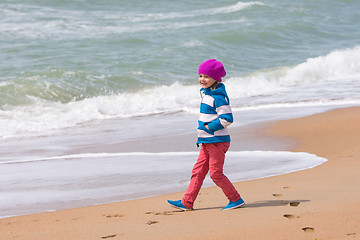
[{"x": 213, "y": 135}]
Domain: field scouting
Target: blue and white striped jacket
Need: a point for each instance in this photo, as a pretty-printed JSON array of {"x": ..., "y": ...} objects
[{"x": 215, "y": 112}]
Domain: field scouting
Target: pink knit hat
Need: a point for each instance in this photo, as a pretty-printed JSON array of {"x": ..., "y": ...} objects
[{"x": 213, "y": 69}]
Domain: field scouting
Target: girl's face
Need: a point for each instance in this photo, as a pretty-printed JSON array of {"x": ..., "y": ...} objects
[{"x": 206, "y": 81}]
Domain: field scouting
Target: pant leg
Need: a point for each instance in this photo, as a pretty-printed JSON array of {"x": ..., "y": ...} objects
[
  {"x": 216, "y": 163},
  {"x": 199, "y": 172}
]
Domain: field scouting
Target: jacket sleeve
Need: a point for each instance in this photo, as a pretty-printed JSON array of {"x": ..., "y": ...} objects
[{"x": 224, "y": 112}]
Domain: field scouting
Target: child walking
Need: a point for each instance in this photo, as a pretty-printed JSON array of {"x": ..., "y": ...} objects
[{"x": 213, "y": 135}]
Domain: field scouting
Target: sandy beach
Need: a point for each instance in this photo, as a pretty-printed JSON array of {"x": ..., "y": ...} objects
[{"x": 319, "y": 203}]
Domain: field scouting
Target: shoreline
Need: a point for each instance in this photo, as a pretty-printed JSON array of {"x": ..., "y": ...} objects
[
  {"x": 182, "y": 148},
  {"x": 326, "y": 196}
]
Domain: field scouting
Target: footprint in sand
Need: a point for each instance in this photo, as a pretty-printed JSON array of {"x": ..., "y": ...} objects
[
  {"x": 109, "y": 236},
  {"x": 294, "y": 204},
  {"x": 151, "y": 222},
  {"x": 158, "y": 213},
  {"x": 286, "y": 187},
  {"x": 290, "y": 216},
  {"x": 351, "y": 234},
  {"x": 277, "y": 195},
  {"x": 308, "y": 229},
  {"x": 113, "y": 215}
]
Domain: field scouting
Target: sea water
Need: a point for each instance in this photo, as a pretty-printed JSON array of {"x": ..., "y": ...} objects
[
  {"x": 83, "y": 179},
  {"x": 79, "y": 74}
]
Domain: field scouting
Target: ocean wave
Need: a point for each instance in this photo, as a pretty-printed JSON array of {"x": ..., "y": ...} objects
[
  {"x": 144, "y": 17},
  {"x": 59, "y": 30},
  {"x": 46, "y": 22},
  {"x": 336, "y": 66},
  {"x": 262, "y": 88},
  {"x": 44, "y": 115},
  {"x": 233, "y": 8}
]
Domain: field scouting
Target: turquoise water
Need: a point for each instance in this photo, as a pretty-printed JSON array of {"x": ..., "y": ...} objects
[{"x": 66, "y": 55}]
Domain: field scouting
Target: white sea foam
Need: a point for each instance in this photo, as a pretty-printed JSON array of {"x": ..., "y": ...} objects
[
  {"x": 338, "y": 66},
  {"x": 83, "y": 179},
  {"x": 233, "y": 8}
]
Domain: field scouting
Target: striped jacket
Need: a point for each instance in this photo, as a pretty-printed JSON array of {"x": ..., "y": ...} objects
[{"x": 215, "y": 112}]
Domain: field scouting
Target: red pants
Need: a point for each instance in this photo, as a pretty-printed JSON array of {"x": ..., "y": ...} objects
[{"x": 211, "y": 157}]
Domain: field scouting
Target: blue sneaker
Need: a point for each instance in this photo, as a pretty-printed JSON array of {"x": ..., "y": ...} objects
[
  {"x": 233, "y": 205},
  {"x": 177, "y": 204}
]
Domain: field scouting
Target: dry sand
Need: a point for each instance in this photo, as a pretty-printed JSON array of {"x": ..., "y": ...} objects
[{"x": 319, "y": 203}]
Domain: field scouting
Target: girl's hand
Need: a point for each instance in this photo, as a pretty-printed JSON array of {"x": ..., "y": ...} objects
[{"x": 207, "y": 127}]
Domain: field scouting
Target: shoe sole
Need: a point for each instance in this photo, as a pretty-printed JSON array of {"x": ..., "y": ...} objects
[
  {"x": 180, "y": 208},
  {"x": 240, "y": 205}
]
